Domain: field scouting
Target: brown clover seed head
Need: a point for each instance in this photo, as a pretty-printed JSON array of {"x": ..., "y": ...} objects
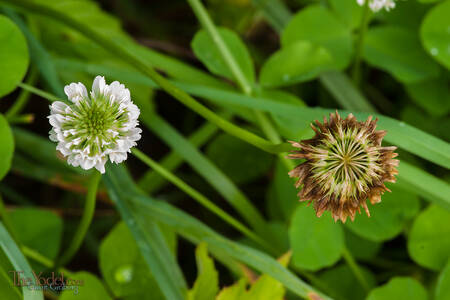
[{"x": 345, "y": 165}]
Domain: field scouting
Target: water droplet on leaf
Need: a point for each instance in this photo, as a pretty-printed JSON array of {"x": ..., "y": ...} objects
[{"x": 124, "y": 274}]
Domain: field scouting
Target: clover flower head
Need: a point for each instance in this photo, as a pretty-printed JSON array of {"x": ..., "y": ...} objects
[
  {"x": 95, "y": 126},
  {"x": 377, "y": 5},
  {"x": 345, "y": 165}
]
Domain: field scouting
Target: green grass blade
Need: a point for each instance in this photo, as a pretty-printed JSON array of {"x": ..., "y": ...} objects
[
  {"x": 19, "y": 262},
  {"x": 195, "y": 231},
  {"x": 424, "y": 184},
  {"x": 148, "y": 236},
  {"x": 341, "y": 87}
]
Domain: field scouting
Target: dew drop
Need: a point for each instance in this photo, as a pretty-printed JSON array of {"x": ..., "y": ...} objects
[
  {"x": 402, "y": 124},
  {"x": 434, "y": 51},
  {"x": 123, "y": 274},
  {"x": 286, "y": 77}
]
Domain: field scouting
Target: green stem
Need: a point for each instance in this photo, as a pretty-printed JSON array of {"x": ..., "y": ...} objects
[
  {"x": 356, "y": 74},
  {"x": 207, "y": 23},
  {"x": 86, "y": 219},
  {"x": 46, "y": 262},
  {"x": 130, "y": 57},
  {"x": 36, "y": 91},
  {"x": 353, "y": 265},
  {"x": 23, "y": 97},
  {"x": 201, "y": 199}
]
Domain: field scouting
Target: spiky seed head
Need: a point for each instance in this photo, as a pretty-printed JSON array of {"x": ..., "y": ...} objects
[{"x": 345, "y": 165}]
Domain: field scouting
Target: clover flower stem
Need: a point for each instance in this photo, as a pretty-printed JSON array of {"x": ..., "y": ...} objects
[
  {"x": 201, "y": 199},
  {"x": 41, "y": 93},
  {"x": 356, "y": 72},
  {"x": 85, "y": 222},
  {"x": 353, "y": 265}
]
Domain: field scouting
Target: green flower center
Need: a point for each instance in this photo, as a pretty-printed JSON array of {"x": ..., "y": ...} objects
[{"x": 94, "y": 123}]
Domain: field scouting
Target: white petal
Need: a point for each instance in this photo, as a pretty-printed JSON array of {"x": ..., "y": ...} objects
[
  {"x": 61, "y": 147},
  {"x": 100, "y": 166},
  {"x": 58, "y": 107},
  {"x": 98, "y": 86},
  {"x": 75, "y": 91},
  {"x": 73, "y": 160},
  {"x": 56, "y": 120},
  {"x": 53, "y": 136},
  {"x": 117, "y": 157},
  {"x": 133, "y": 111},
  {"x": 118, "y": 92},
  {"x": 87, "y": 163}
]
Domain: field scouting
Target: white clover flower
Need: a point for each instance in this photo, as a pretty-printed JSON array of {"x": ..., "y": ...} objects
[
  {"x": 377, "y": 5},
  {"x": 95, "y": 127}
]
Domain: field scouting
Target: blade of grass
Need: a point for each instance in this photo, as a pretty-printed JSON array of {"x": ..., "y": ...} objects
[
  {"x": 19, "y": 263},
  {"x": 349, "y": 98},
  {"x": 195, "y": 231},
  {"x": 424, "y": 184}
]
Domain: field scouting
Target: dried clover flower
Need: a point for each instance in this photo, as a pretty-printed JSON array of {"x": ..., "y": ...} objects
[
  {"x": 377, "y": 5},
  {"x": 345, "y": 165},
  {"x": 96, "y": 126}
]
